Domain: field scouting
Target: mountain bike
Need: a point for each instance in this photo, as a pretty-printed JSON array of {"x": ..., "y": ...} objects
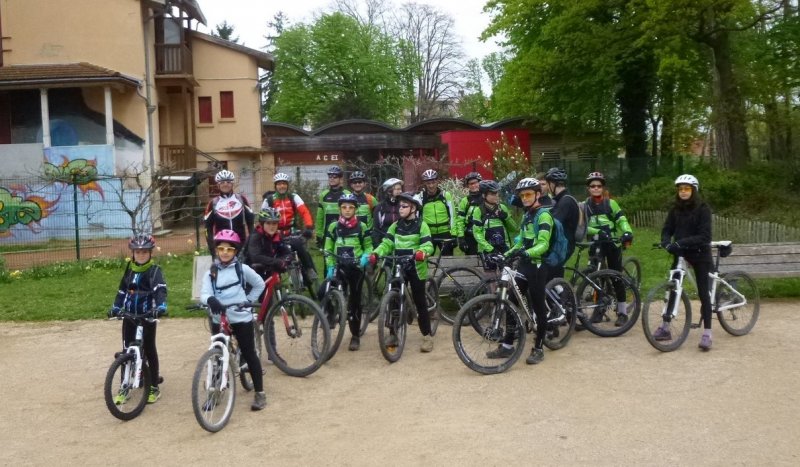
[
  {"x": 127, "y": 383},
  {"x": 397, "y": 310},
  {"x": 734, "y": 300},
  {"x": 452, "y": 286},
  {"x": 631, "y": 267},
  {"x": 488, "y": 320},
  {"x": 335, "y": 301},
  {"x": 295, "y": 270}
]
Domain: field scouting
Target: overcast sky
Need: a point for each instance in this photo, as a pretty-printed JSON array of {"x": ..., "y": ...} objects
[{"x": 249, "y": 19}]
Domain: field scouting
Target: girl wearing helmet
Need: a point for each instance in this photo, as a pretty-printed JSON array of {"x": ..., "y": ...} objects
[
  {"x": 142, "y": 289},
  {"x": 366, "y": 202},
  {"x": 533, "y": 242},
  {"x": 491, "y": 222},
  {"x": 438, "y": 211},
  {"x": 348, "y": 237},
  {"x": 267, "y": 253},
  {"x": 386, "y": 213},
  {"x": 410, "y": 235},
  {"x": 463, "y": 229},
  {"x": 328, "y": 203},
  {"x": 604, "y": 221},
  {"x": 687, "y": 233},
  {"x": 229, "y": 210},
  {"x": 222, "y": 290}
]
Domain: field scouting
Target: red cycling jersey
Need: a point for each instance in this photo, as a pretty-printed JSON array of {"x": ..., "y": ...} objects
[{"x": 288, "y": 204}]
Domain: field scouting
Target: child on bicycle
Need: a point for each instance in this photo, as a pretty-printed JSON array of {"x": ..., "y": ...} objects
[
  {"x": 349, "y": 238},
  {"x": 533, "y": 244},
  {"x": 223, "y": 290},
  {"x": 491, "y": 223},
  {"x": 604, "y": 221},
  {"x": 266, "y": 251},
  {"x": 687, "y": 233},
  {"x": 142, "y": 290},
  {"x": 410, "y": 235}
]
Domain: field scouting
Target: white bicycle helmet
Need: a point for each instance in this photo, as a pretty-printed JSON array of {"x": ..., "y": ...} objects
[
  {"x": 281, "y": 177},
  {"x": 528, "y": 184},
  {"x": 687, "y": 179},
  {"x": 429, "y": 174},
  {"x": 390, "y": 183},
  {"x": 224, "y": 176}
]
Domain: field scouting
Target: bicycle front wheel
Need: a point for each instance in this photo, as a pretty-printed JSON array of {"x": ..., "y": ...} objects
[
  {"x": 391, "y": 326},
  {"x": 561, "y": 316},
  {"x": 633, "y": 269},
  {"x": 480, "y": 329},
  {"x": 431, "y": 297},
  {"x": 666, "y": 318},
  {"x": 454, "y": 288},
  {"x": 124, "y": 398},
  {"x": 297, "y": 335},
  {"x": 598, "y": 304},
  {"x": 334, "y": 308},
  {"x": 377, "y": 285},
  {"x": 212, "y": 399},
  {"x": 737, "y": 304},
  {"x": 366, "y": 304}
]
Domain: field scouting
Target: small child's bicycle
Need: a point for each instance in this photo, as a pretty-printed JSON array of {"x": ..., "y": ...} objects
[{"x": 127, "y": 384}]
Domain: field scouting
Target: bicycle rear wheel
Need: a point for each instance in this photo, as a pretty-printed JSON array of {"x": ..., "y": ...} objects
[
  {"x": 633, "y": 269},
  {"x": 675, "y": 329},
  {"x": 562, "y": 315},
  {"x": 391, "y": 327},
  {"x": 479, "y": 329},
  {"x": 124, "y": 399},
  {"x": 597, "y": 302},
  {"x": 742, "y": 315},
  {"x": 212, "y": 401},
  {"x": 366, "y": 304},
  {"x": 431, "y": 296},
  {"x": 297, "y": 335},
  {"x": 377, "y": 284},
  {"x": 334, "y": 307},
  {"x": 455, "y": 287}
]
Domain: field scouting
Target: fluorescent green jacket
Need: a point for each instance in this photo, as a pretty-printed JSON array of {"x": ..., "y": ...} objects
[{"x": 405, "y": 238}]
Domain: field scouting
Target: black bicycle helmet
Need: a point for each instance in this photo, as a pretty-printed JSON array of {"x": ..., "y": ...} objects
[
  {"x": 472, "y": 176},
  {"x": 269, "y": 215},
  {"x": 142, "y": 242},
  {"x": 357, "y": 175},
  {"x": 489, "y": 186},
  {"x": 348, "y": 198},
  {"x": 596, "y": 176},
  {"x": 335, "y": 170},
  {"x": 556, "y": 174}
]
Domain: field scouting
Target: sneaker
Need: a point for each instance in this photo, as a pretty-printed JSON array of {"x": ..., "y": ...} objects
[
  {"x": 662, "y": 334},
  {"x": 259, "y": 401},
  {"x": 427, "y": 344},
  {"x": 500, "y": 352},
  {"x": 391, "y": 341},
  {"x": 121, "y": 397},
  {"x": 705, "y": 342},
  {"x": 355, "y": 343},
  {"x": 536, "y": 356},
  {"x": 621, "y": 320},
  {"x": 154, "y": 395}
]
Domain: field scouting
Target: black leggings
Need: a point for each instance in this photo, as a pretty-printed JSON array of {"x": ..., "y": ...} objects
[
  {"x": 245, "y": 336},
  {"x": 701, "y": 271},
  {"x": 148, "y": 345},
  {"x": 299, "y": 245},
  {"x": 447, "y": 248},
  {"x": 421, "y": 303},
  {"x": 613, "y": 255},
  {"x": 536, "y": 278},
  {"x": 355, "y": 279}
]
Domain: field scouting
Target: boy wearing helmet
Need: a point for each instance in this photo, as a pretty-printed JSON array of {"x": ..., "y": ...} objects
[
  {"x": 222, "y": 290},
  {"x": 604, "y": 221},
  {"x": 328, "y": 203},
  {"x": 266, "y": 250},
  {"x": 438, "y": 211},
  {"x": 229, "y": 210},
  {"x": 349, "y": 238},
  {"x": 463, "y": 229},
  {"x": 366, "y": 202},
  {"x": 291, "y": 208},
  {"x": 142, "y": 290},
  {"x": 491, "y": 222},
  {"x": 410, "y": 235},
  {"x": 386, "y": 213},
  {"x": 532, "y": 244},
  {"x": 687, "y": 233},
  {"x": 565, "y": 209}
]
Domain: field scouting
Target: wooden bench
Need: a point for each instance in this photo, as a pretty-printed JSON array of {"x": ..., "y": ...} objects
[
  {"x": 471, "y": 261},
  {"x": 764, "y": 259}
]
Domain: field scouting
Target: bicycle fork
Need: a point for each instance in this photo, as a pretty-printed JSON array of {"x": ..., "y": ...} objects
[{"x": 219, "y": 341}]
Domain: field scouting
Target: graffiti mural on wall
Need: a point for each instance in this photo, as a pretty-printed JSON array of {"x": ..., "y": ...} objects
[
  {"x": 17, "y": 207},
  {"x": 80, "y": 172}
]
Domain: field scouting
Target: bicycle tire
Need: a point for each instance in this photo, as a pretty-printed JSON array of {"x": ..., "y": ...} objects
[
  {"x": 632, "y": 268},
  {"x": 652, "y": 317},
  {"x": 391, "y": 323},
  {"x": 334, "y": 308},
  {"x": 740, "y": 320},
  {"x": 474, "y": 342},
  {"x": 603, "y": 303},
  {"x": 298, "y": 336},
  {"x": 559, "y": 332},
  {"x": 244, "y": 374},
  {"x": 455, "y": 287},
  {"x": 296, "y": 279},
  {"x": 366, "y": 304},
  {"x": 431, "y": 296},
  {"x": 135, "y": 398},
  {"x": 212, "y": 404},
  {"x": 378, "y": 286}
]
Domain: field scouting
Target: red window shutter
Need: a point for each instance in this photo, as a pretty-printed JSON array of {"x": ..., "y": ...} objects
[
  {"x": 226, "y": 104},
  {"x": 204, "y": 109}
]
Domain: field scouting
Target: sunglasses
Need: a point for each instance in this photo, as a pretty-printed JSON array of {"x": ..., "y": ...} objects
[
  {"x": 405, "y": 206},
  {"x": 595, "y": 186},
  {"x": 334, "y": 176},
  {"x": 225, "y": 181},
  {"x": 684, "y": 188},
  {"x": 527, "y": 195},
  {"x": 226, "y": 249}
]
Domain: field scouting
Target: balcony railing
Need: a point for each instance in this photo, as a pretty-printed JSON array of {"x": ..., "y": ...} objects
[
  {"x": 173, "y": 59},
  {"x": 178, "y": 158}
]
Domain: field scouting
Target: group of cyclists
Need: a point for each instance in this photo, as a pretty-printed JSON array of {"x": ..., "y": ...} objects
[{"x": 350, "y": 224}]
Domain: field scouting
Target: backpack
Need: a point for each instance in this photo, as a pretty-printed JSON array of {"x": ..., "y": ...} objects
[
  {"x": 559, "y": 245},
  {"x": 580, "y": 229},
  {"x": 239, "y": 273}
]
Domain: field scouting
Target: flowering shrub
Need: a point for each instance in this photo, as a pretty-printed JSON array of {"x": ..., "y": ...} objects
[{"x": 509, "y": 158}]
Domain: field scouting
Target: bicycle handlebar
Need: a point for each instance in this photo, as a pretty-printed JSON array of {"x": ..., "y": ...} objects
[{"x": 150, "y": 316}]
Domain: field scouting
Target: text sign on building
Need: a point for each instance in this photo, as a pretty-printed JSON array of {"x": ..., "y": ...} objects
[{"x": 309, "y": 158}]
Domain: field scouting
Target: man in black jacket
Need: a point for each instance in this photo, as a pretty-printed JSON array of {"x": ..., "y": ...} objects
[{"x": 565, "y": 209}]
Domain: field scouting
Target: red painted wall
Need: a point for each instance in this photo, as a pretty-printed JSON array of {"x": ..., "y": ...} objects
[{"x": 468, "y": 146}]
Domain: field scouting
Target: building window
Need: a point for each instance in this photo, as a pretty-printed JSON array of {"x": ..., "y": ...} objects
[
  {"x": 204, "y": 109},
  {"x": 226, "y": 104}
]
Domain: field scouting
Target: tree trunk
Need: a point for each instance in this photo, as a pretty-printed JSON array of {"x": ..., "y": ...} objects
[
  {"x": 667, "y": 121},
  {"x": 633, "y": 97},
  {"x": 733, "y": 146}
]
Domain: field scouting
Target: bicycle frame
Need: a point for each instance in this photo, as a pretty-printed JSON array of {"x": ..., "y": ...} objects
[
  {"x": 221, "y": 341},
  {"x": 136, "y": 349}
]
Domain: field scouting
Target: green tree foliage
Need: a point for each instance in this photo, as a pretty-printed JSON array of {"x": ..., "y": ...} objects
[
  {"x": 336, "y": 69},
  {"x": 225, "y": 31}
]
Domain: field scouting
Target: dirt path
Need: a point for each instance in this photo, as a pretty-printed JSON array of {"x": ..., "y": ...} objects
[{"x": 598, "y": 401}]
